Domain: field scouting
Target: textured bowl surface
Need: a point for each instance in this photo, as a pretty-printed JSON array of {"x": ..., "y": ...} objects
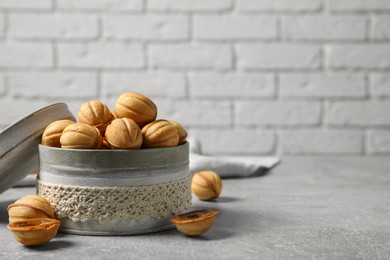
[{"x": 114, "y": 168}]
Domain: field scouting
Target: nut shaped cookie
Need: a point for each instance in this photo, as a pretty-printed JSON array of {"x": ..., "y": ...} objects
[
  {"x": 81, "y": 136},
  {"x": 180, "y": 130},
  {"x": 105, "y": 144},
  {"x": 124, "y": 133},
  {"x": 159, "y": 133},
  {"x": 114, "y": 116},
  {"x": 96, "y": 114},
  {"x": 34, "y": 232},
  {"x": 136, "y": 107},
  {"x": 206, "y": 185},
  {"x": 196, "y": 222},
  {"x": 52, "y": 134},
  {"x": 28, "y": 207}
]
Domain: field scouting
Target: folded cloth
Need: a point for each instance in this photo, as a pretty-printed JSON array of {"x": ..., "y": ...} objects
[
  {"x": 229, "y": 166},
  {"x": 232, "y": 166}
]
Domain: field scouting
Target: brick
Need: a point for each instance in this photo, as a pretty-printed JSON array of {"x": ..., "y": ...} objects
[
  {"x": 321, "y": 141},
  {"x": 189, "y": 5},
  {"x": 54, "y": 26},
  {"x": 102, "y": 5},
  {"x": 322, "y": 85},
  {"x": 235, "y": 27},
  {"x": 358, "y": 113},
  {"x": 378, "y": 142},
  {"x": 380, "y": 27},
  {"x": 359, "y": 5},
  {"x": 100, "y": 55},
  {"x": 279, "y": 5},
  {"x": 151, "y": 84},
  {"x": 2, "y": 25},
  {"x": 2, "y": 84},
  {"x": 278, "y": 113},
  {"x": 17, "y": 55},
  {"x": 14, "y": 110},
  {"x": 380, "y": 84},
  {"x": 233, "y": 85},
  {"x": 196, "y": 112},
  {"x": 146, "y": 27},
  {"x": 203, "y": 56},
  {"x": 358, "y": 56},
  {"x": 325, "y": 28},
  {"x": 278, "y": 56},
  {"x": 23, "y": 4},
  {"x": 54, "y": 84},
  {"x": 235, "y": 141}
]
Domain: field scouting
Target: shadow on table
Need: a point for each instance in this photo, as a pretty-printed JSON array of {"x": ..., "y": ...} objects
[
  {"x": 56, "y": 244},
  {"x": 4, "y": 211},
  {"x": 226, "y": 199},
  {"x": 259, "y": 173},
  {"x": 225, "y": 225}
]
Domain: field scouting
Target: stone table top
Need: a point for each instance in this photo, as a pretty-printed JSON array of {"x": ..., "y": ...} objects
[{"x": 305, "y": 208}]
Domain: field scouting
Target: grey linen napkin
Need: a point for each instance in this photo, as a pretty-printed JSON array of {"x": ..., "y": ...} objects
[{"x": 229, "y": 166}]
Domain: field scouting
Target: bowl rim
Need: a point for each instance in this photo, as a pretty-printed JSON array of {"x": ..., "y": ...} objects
[
  {"x": 53, "y": 159},
  {"x": 143, "y": 150}
]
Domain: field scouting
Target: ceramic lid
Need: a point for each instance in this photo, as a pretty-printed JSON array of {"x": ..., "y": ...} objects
[{"x": 19, "y": 143}]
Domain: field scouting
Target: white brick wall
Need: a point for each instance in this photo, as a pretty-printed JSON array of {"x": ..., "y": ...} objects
[
  {"x": 250, "y": 141},
  {"x": 197, "y": 113},
  {"x": 279, "y": 5},
  {"x": 2, "y": 84},
  {"x": 100, "y": 55},
  {"x": 100, "y": 5},
  {"x": 146, "y": 27},
  {"x": 53, "y": 26},
  {"x": 189, "y": 56},
  {"x": 13, "y": 110},
  {"x": 359, "y": 5},
  {"x": 189, "y": 5},
  {"x": 378, "y": 141},
  {"x": 358, "y": 56},
  {"x": 2, "y": 25},
  {"x": 246, "y": 76},
  {"x": 358, "y": 113},
  {"x": 26, "y": 54},
  {"x": 278, "y": 56},
  {"x": 380, "y": 84},
  {"x": 23, "y": 4},
  {"x": 151, "y": 84},
  {"x": 322, "y": 85},
  {"x": 278, "y": 113},
  {"x": 316, "y": 27},
  {"x": 317, "y": 141},
  {"x": 380, "y": 27},
  {"x": 228, "y": 27},
  {"x": 54, "y": 84},
  {"x": 233, "y": 85}
]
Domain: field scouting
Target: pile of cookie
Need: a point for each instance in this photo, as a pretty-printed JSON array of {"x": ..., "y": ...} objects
[{"x": 132, "y": 125}]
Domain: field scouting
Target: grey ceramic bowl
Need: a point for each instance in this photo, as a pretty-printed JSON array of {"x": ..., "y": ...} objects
[{"x": 114, "y": 168}]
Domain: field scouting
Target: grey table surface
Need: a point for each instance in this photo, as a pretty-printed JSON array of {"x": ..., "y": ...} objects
[{"x": 305, "y": 208}]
